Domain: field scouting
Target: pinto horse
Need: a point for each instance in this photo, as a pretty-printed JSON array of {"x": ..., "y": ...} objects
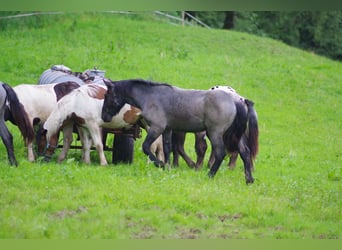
[
  {"x": 167, "y": 108},
  {"x": 38, "y": 102},
  {"x": 10, "y": 108},
  {"x": 83, "y": 107}
]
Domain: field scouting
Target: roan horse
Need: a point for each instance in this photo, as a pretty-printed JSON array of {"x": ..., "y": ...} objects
[
  {"x": 167, "y": 108},
  {"x": 10, "y": 108},
  {"x": 82, "y": 107},
  {"x": 178, "y": 140}
]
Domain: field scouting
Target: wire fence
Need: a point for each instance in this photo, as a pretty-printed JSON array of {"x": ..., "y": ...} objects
[{"x": 171, "y": 18}]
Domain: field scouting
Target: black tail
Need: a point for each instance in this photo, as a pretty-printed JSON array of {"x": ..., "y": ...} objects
[
  {"x": 253, "y": 129},
  {"x": 19, "y": 114},
  {"x": 234, "y": 133},
  {"x": 245, "y": 125}
]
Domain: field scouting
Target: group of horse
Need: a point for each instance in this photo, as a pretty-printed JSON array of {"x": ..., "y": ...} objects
[{"x": 166, "y": 112}]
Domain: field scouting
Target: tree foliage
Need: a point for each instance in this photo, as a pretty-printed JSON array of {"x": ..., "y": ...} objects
[{"x": 317, "y": 31}]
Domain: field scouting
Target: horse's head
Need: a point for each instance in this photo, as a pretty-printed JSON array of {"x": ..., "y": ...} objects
[{"x": 112, "y": 102}]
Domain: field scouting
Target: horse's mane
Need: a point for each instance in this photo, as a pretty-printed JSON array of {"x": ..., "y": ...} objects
[{"x": 146, "y": 83}]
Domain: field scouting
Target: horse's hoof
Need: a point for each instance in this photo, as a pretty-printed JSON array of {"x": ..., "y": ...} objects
[
  {"x": 159, "y": 164},
  {"x": 211, "y": 175},
  {"x": 13, "y": 163},
  {"x": 250, "y": 181},
  {"x": 192, "y": 165}
]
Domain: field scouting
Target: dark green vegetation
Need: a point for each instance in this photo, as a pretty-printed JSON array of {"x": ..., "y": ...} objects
[
  {"x": 318, "y": 31},
  {"x": 297, "y": 192}
]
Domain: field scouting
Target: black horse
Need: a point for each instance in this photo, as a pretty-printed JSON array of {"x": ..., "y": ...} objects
[{"x": 167, "y": 108}]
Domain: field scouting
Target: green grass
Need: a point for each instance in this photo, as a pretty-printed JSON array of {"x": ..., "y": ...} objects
[{"x": 297, "y": 192}]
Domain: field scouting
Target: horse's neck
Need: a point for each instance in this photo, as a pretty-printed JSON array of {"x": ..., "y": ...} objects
[
  {"x": 138, "y": 96},
  {"x": 132, "y": 96}
]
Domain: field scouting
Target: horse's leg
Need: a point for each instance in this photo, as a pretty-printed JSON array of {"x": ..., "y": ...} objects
[
  {"x": 86, "y": 144},
  {"x": 247, "y": 161},
  {"x": 104, "y": 138},
  {"x": 67, "y": 140},
  {"x": 232, "y": 160},
  {"x": 200, "y": 147},
  {"x": 96, "y": 135},
  {"x": 211, "y": 159},
  {"x": 177, "y": 138},
  {"x": 218, "y": 150},
  {"x": 152, "y": 135},
  {"x": 167, "y": 145},
  {"x": 30, "y": 154},
  {"x": 179, "y": 148},
  {"x": 40, "y": 140},
  {"x": 7, "y": 139},
  {"x": 157, "y": 148}
]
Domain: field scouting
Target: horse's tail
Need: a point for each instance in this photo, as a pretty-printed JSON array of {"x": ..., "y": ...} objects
[
  {"x": 253, "y": 129},
  {"x": 19, "y": 115},
  {"x": 237, "y": 129}
]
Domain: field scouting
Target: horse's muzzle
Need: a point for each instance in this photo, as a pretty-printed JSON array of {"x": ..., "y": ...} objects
[{"x": 106, "y": 117}]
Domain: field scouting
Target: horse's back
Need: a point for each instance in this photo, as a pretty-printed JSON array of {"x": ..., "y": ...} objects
[
  {"x": 30, "y": 91},
  {"x": 38, "y": 100},
  {"x": 85, "y": 102},
  {"x": 196, "y": 110}
]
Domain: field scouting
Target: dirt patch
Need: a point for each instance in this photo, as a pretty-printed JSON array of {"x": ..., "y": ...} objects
[
  {"x": 230, "y": 217},
  {"x": 69, "y": 213},
  {"x": 191, "y": 233},
  {"x": 146, "y": 232}
]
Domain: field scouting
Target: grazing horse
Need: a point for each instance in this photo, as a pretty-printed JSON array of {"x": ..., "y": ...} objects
[
  {"x": 10, "y": 108},
  {"x": 83, "y": 107},
  {"x": 38, "y": 102},
  {"x": 178, "y": 140},
  {"x": 123, "y": 145},
  {"x": 253, "y": 148},
  {"x": 167, "y": 108}
]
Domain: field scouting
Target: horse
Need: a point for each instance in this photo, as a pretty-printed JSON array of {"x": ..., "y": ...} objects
[
  {"x": 38, "y": 101},
  {"x": 10, "y": 107},
  {"x": 178, "y": 140},
  {"x": 167, "y": 108},
  {"x": 123, "y": 145},
  {"x": 83, "y": 107}
]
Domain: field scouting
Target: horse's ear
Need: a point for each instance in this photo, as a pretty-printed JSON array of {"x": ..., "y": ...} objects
[{"x": 108, "y": 82}]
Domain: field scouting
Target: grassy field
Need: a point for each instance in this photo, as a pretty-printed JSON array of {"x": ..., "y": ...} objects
[{"x": 297, "y": 193}]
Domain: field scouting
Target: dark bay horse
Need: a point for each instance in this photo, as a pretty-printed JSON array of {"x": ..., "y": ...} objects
[
  {"x": 11, "y": 108},
  {"x": 167, "y": 108}
]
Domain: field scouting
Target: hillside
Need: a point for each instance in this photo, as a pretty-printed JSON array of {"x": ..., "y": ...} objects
[{"x": 297, "y": 95}]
